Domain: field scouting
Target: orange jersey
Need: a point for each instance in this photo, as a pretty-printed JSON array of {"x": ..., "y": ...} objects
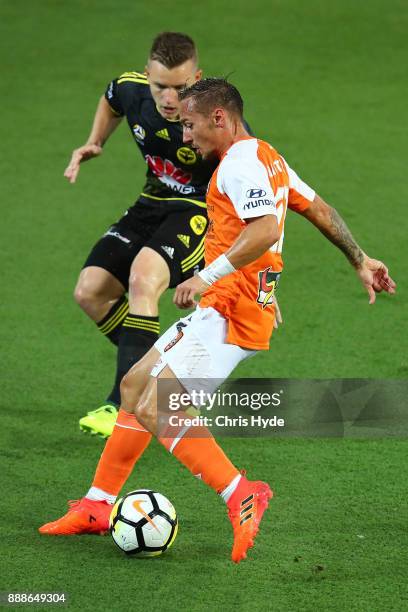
[{"x": 251, "y": 180}]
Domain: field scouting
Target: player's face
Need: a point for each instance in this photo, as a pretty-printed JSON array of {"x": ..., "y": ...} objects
[
  {"x": 165, "y": 83},
  {"x": 198, "y": 130}
]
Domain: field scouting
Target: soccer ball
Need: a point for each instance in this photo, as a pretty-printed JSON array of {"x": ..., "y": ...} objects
[{"x": 143, "y": 523}]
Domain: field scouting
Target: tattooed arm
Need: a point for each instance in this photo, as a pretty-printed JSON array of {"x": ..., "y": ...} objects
[{"x": 372, "y": 273}]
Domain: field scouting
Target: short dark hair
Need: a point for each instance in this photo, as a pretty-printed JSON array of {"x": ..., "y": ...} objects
[
  {"x": 212, "y": 92},
  {"x": 172, "y": 49}
]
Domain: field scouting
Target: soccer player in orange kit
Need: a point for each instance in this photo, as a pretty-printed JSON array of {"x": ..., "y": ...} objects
[{"x": 247, "y": 200}]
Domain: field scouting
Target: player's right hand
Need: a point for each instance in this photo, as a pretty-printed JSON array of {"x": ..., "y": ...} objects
[
  {"x": 375, "y": 278},
  {"x": 78, "y": 156}
]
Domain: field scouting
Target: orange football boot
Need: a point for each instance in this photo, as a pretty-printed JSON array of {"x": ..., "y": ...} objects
[
  {"x": 84, "y": 516},
  {"x": 245, "y": 509}
]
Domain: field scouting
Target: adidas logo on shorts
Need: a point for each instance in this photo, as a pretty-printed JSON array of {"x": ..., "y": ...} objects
[
  {"x": 184, "y": 239},
  {"x": 168, "y": 250}
]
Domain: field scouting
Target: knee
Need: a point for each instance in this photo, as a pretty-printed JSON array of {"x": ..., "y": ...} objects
[
  {"x": 84, "y": 295},
  {"x": 143, "y": 413},
  {"x": 133, "y": 398},
  {"x": 143, "y": 285}
]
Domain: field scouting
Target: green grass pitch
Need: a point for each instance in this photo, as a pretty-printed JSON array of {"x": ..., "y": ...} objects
[{"x": 326, "y": 83}]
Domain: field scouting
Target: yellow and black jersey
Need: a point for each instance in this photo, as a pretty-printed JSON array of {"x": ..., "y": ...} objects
[{"x": 175, "y": 171}]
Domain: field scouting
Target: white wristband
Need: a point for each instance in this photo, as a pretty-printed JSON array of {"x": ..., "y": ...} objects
[{"x": 217, "y": 269}]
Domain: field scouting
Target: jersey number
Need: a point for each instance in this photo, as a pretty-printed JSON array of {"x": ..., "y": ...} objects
[{"x": 282, "y": 195}]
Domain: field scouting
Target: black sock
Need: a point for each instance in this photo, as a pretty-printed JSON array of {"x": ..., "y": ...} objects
[
  {"x": 137, "y": 336},
  {"x": 111, "y": 324}
]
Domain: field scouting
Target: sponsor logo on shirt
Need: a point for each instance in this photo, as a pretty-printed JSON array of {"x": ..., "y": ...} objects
[
  {"x": 255, "y": 193},
  {"x": 175, "y": 178},
  {"x": 256, "y": 203}
]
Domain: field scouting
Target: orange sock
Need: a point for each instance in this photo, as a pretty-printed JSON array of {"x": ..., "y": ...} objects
[
  {"x": 127, "y": 443},
  {"x": 196, "y": 448}
]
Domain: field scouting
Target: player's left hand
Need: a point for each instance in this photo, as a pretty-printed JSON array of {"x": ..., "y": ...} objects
[
  {"x": 375, "y": 278},
  {"x": 186, "y": 291}
]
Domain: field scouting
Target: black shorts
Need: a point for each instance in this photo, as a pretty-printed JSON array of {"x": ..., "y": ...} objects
[{"x": 177, "y": 235}]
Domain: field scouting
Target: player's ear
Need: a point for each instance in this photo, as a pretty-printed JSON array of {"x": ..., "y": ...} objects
[
  {"x": 146, "y": 70},
  {"x": 198, "y": 75},
  {"x": 219, "y": 117}
]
